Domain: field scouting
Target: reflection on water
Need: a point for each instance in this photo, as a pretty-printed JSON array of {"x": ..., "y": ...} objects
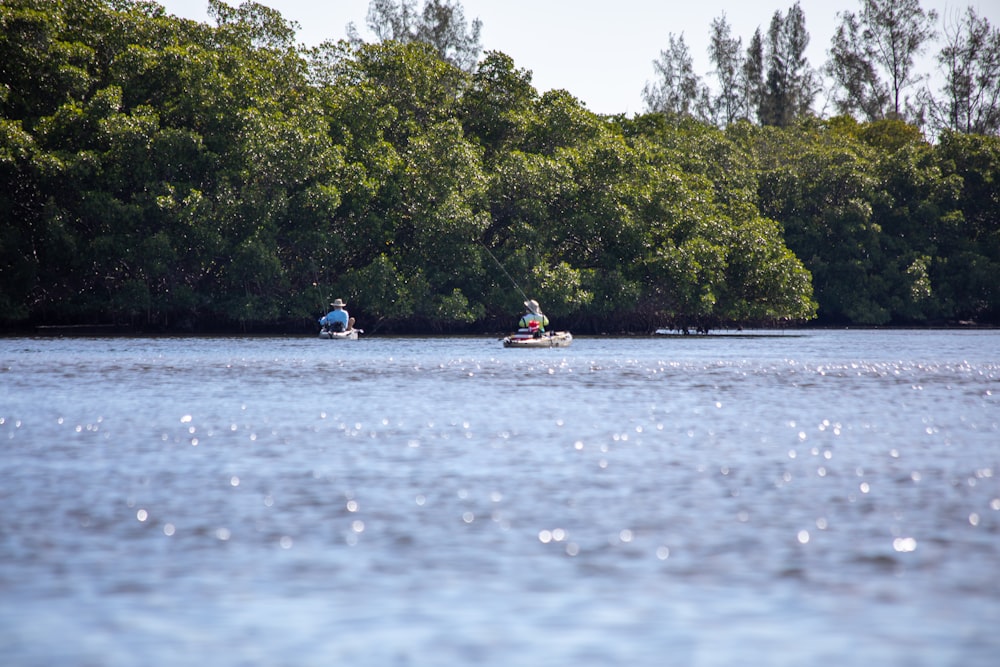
[{"x": 781, "y": 499}]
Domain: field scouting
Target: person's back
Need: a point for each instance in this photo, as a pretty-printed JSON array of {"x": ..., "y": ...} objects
[
  {"x": 334, "y": 322},
  {"x": 338, "y": 318},
  {"x": 534, "y": 320}
]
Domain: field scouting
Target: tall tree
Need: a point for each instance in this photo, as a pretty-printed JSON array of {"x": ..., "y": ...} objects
[
  {"x": 440, "y": 23},
  {"x": 970, "y": 99},
  {"x": 679, "y": 90},
  {"x": 860, "y": 88},
  {"x": 752, "y": 77},
  {"x": 789, "y": 87},
  {"x": 443, "y": 26},
  {"x": 885, "y": 37},
  {"x": 725, "y": 52}
]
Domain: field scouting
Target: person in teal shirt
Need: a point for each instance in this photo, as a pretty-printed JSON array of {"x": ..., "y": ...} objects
[
  {"x": 534, "y": 320},
  {"x": 337, "y": 319}
]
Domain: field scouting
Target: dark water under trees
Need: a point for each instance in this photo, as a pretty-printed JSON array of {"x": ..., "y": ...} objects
[{"x": 827, "y": 497}]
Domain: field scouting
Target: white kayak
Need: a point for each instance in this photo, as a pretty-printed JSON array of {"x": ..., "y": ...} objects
[
  {"x": 524, "y": 338},
  {"x": 347, "y": 334}
]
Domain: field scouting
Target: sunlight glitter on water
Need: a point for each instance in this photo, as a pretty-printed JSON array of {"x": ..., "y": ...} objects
[{"x": 454, "y": 488}]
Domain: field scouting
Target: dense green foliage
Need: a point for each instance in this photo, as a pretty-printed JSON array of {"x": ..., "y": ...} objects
[{"x": 171, "y": 175}]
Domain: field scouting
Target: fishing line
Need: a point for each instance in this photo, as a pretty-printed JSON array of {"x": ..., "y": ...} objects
[{"x": 504, "y": 270}]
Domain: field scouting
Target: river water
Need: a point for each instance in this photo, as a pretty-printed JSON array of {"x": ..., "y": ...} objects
[{"x": 797, "y": 498}]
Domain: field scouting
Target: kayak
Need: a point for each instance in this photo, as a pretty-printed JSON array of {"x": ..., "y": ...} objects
[
  {"x": 349, "y": 334},
  {"x": 524, "y": 338}
]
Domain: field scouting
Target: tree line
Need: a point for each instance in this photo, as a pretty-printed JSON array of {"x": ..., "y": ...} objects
[
  {"x": 871, "y": 73},
  {"x": 170, "y": 175}
]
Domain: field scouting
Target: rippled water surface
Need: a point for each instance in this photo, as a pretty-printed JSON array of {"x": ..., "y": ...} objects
[{"x": 815, "y": 497}]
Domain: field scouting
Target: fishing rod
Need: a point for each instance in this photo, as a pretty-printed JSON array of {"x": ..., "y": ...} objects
[{"x": 504, "y": 270}]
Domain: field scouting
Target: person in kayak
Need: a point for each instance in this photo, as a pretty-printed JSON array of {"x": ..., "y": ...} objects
[
  {"x": 337, "y": 319},
  {"x": 534, "y": 320}
]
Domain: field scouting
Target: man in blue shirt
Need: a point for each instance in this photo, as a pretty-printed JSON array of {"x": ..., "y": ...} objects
[{"x": 336, "y": 319}]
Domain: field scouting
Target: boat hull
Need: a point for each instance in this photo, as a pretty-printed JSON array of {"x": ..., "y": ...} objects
[
  {"x": 350, "y": 334},
  {"x": 554, "y": 339}
]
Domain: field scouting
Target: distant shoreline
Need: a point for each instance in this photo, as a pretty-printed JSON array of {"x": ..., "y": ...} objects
[{"x": 118, "y": 330}]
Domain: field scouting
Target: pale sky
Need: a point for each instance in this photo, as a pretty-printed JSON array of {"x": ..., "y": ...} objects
[{"x": 601, "y": 51}]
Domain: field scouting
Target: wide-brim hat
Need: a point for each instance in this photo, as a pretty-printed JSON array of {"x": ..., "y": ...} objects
[
  {"x": 533, "y": 306},
  {"x": 337, "y": 303}
]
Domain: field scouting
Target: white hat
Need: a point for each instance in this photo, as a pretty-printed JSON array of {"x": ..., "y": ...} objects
[
  {"x": 533, "y": 306},
  {"x": 338, "y": 303}
]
